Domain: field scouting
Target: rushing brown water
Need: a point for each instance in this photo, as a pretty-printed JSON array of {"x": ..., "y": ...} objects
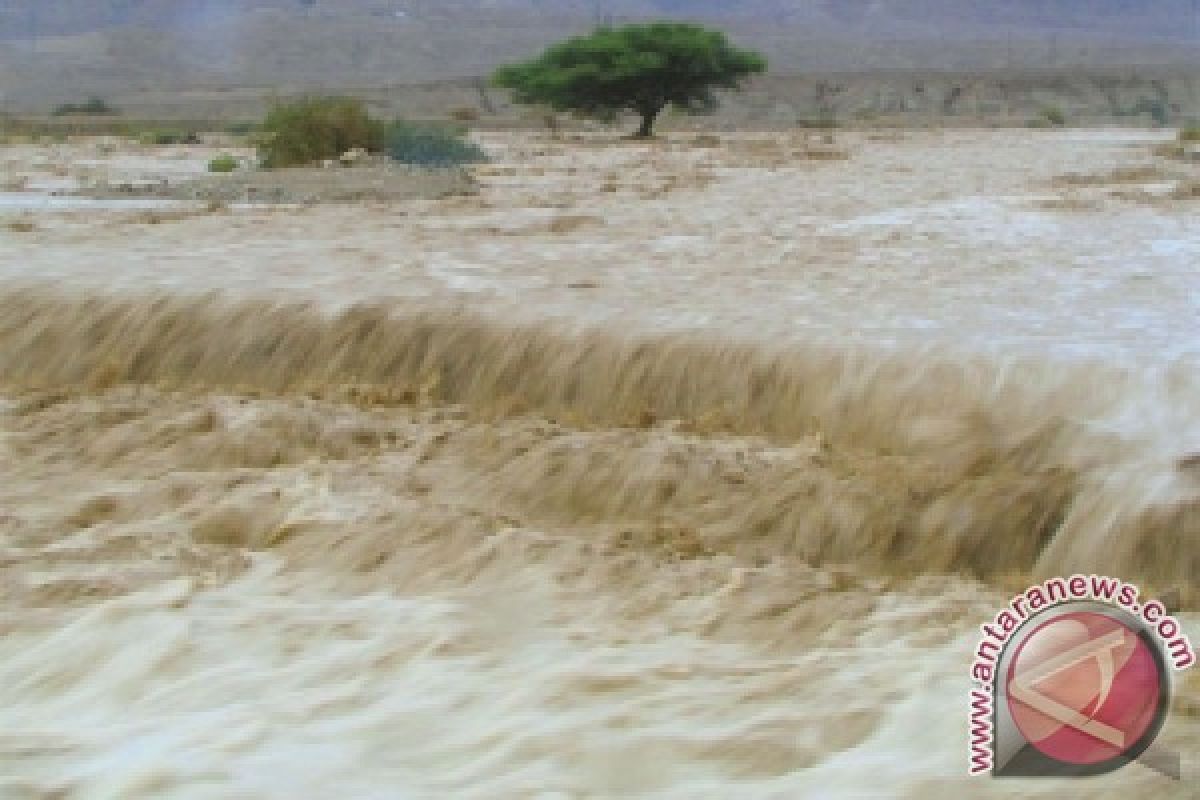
[
  {"x": 970, "y": 466},
  {"x": 254, "y": 549},
  {"x": 429, "y": 547}
]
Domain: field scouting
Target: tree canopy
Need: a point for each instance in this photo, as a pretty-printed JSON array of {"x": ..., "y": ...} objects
[{"x": 638, "y": 68}]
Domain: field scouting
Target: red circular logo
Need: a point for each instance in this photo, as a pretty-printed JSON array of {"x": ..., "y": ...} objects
[{"x": 1084, "y": 688}]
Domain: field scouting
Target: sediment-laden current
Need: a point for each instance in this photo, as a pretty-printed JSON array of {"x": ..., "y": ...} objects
[
  {"x": 253, "y": 549},
  {"x": 423, "y": 546}
]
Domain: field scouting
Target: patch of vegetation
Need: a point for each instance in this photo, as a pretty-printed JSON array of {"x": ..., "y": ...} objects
[
  {"x": 822, "y": 123},
  {"x": 1190, "y": 134},
  {"x": 223, "y": 163},
  {"x": 168, "y": 136},
  {"x": 1157, "y": 110},
  {"x": 241, "y": 128},
  {"x": 317, "y": 128},
  {"x": 638, "y": 68},
  {"x": 1048, "y": 118},
  {"x": 93, "y": 105},
  {"x": 430, "y": 145},
  {"x": 1054, "y": 117}
]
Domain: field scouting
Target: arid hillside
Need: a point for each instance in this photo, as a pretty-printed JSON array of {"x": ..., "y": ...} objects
[
  {"x": 52, "y": 51},
  {"x": 1141, "y": 97},
  {"x": 1127, "y": 18}
]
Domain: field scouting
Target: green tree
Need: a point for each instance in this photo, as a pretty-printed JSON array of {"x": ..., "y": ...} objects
[{"x": 638, "y": 68}]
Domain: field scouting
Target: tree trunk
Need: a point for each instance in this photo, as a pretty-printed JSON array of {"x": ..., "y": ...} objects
[{"x": 646, "y": 130}]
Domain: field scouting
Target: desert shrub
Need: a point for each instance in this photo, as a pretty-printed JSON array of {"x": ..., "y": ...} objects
[
  {"x": 1157, "y": 110},
  {"x": 1190, "y": 134},
  {"x": 820, "y": 123},
  {"x": 93, "y": 105},
  {"x": 1053, "y": 117},
  {"x": 241, "y": 128},
  {"x": 317, "y": 128},
  {"x": 430, "y": 145},
  {"x": 167, "y": 136},
  {"x": 223, "y": 163}
]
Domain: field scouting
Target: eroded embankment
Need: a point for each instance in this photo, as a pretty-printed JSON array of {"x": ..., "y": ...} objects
[{"x": 909, "y": 462}]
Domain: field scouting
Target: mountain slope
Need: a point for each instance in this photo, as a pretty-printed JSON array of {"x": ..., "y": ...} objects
[
  {"x": 56, "y": 50},
  {"x": 21, "y": 18}
]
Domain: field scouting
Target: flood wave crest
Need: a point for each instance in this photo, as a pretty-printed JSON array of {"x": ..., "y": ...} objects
[{"x": 904, "y": 461}]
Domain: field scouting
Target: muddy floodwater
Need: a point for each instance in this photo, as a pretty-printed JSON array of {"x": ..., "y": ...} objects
[{"x": 684, "y": 469}]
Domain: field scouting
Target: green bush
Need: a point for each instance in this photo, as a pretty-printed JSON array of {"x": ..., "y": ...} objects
[
  {"x": 1190, "y": 133},
  {"x": 317, "y": 128},
  {"x": 223, "y": 163},
  {"x": 94, "y": 105},
  {"x": 241, "y": 128},
  {"x": 1157, "y": 110},
  {"x": 821, "y": 123},
  {"x": 1054, "y": 117},
  {"x": 430, "y": 145},
  {"x": 166, "y": 136}
]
